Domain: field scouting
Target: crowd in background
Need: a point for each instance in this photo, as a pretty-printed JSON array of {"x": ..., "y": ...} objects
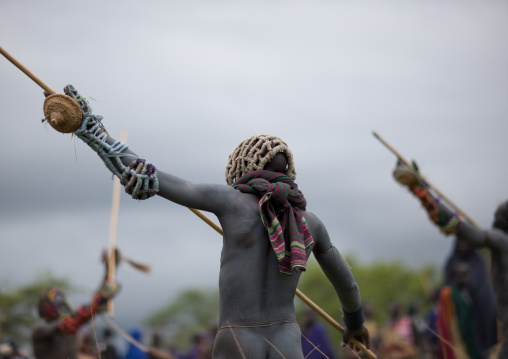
[{"x": 460, "y": 322}]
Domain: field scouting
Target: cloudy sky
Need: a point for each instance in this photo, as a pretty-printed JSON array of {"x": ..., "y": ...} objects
[{"x": 190, "y": 80}]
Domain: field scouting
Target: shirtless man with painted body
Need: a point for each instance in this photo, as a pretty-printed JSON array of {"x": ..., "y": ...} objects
[{"x": 257, "y": 314}]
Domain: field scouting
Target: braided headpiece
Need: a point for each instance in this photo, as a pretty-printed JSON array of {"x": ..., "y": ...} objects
[{"x": 254, "y": 153}]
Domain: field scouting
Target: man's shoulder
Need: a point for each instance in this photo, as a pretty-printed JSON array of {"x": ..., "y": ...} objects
[
  {"x": 312, "y": 220},
  {"x": 245, "y": 201}
]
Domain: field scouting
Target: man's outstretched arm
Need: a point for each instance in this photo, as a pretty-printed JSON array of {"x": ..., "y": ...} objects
[
  {"x": 70, "y": 324},
  {"x": 141, "y": 178},
  {"x": 339, "y": 274},
  {"x": 447, "y": 220},
  {"x": 207, "y": 197},
  {"x": 492, "y": 238}
]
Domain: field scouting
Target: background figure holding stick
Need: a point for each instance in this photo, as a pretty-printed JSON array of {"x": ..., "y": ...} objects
[
  {"x": 56, "y": 338},
  {"x": 450, "y": 221}
]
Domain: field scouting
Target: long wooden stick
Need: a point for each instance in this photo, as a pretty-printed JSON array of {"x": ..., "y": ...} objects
[
  {"x": 300, "y": 295},
  {"x": 403, "y": 160},
  {"x": 27, "y": 72},
  {"x": 208, "y": 221},
  {"x": 115, "y": 206},
  {"x": 157, "y": 353}
]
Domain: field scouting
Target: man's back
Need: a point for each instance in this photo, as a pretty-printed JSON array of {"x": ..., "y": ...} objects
[
  {"x": 250, "y": 276},
  {"x": 257, "y": 311}
]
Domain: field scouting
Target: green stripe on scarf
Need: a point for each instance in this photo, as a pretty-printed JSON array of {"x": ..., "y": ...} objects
[{"x": 280, "y": 205}]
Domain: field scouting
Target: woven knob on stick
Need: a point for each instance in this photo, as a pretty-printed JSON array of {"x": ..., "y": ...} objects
[{"x": 63, "y": 113}]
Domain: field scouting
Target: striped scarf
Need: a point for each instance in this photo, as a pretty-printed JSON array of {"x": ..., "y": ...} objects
[{"x": 279, "y": 207}]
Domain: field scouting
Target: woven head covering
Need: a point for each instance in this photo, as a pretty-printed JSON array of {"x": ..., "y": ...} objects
[
  {"x": 53, "y": 304},
  {"x": 254, "y": 153}
]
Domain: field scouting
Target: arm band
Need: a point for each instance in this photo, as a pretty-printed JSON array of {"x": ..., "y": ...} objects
[{"x": 353, "y": 320}]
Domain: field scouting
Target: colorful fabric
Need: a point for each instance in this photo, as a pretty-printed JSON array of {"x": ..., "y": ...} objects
[
  {"x": 465, "y": 321},
  {"x": 483, "y": 304},
  {"x": 70, "y": 324},
  {"x": 448, "y": 324},
  {"x": 280, "y": 205},
  {"x": 404, "y": 327}
]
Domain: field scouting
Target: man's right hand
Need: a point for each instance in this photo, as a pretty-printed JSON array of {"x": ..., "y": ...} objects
[
  {"x": 361, "y": 334},
  {"x": 407, "y": 176}
]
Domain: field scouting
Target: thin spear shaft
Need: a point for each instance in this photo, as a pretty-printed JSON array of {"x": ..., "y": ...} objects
[
  {"x": 300, "y": 295},
  {"x": 156, "y": 353},
  {"x": 115, "y": 207},
  {"x": 402, "y": 159},
  {"x": 27, "y": 72}
]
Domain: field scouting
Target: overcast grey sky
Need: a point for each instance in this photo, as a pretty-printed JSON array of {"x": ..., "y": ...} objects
[{"x": 190, "y": 80}]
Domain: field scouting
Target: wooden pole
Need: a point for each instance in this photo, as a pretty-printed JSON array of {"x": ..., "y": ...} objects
[
  {"x": 27, "y": 72},
  {"x": 156, "y": 353},
  {"x": 211, "y": 223},
  {"x": 403, "y": 160},
  {"x": 115, "y": 206},
  {"x": 300, "y": 295}
]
